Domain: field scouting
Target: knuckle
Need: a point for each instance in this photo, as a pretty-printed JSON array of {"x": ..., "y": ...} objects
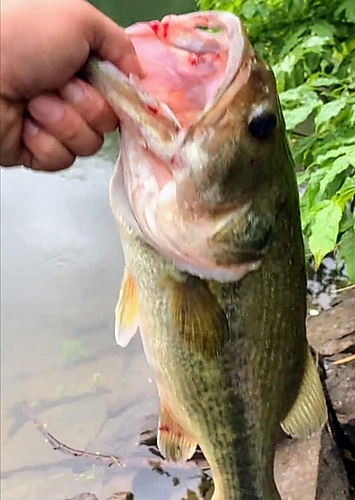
[
  {"x": 80, "y": 139},
  {"x": 99, "y": 111},
  {"x": 99, "y": 115},
  {"x": 71, "y": 133}
]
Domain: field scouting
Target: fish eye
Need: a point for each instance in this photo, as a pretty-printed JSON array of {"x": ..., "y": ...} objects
[{"x": 262, "y": 124}]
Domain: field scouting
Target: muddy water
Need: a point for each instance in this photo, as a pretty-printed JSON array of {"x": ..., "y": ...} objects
[{"x": 60, "y": 273}]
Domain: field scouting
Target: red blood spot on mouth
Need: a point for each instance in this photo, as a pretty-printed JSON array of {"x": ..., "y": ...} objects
[
  {"x": 193, "y": 59},
  {"x": 165, "y": 27},
  {"x": 152, "y": 109},
  {"x": 164, "y": 428},
  {"x": 155, "y": 26}
]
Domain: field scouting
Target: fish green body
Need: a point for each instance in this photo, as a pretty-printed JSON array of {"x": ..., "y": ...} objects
[
  {"x": 232, "y": 387},
  {"x": 215, "y": 274}
]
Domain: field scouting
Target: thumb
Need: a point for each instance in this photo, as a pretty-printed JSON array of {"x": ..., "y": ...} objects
[{"x": 109, "y": 41}]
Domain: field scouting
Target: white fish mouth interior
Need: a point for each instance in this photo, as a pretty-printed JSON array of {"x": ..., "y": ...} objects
[{"x": 193, "y": 60}]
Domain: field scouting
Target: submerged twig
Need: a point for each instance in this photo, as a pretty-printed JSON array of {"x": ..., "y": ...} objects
[
  {"x": 57, "y": 445},
  {"x": 104, "y": 458}
]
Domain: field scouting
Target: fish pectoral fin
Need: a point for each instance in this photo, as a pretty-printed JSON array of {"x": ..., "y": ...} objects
[
  {"x": 198, "y": 317},
  {"x": 309, "y": 412},
  {"x": 126, "y": 312},
  {"x": 174, "y": 443}
]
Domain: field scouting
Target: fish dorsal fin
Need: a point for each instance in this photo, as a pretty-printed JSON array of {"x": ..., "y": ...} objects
[
  {"x": 174, "y": 443},
  {"x": 126, "y": 312},
  {"x": 309, "y": 412}
]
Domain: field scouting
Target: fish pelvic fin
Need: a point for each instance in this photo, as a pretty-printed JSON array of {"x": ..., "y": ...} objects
[
  {"x": 174, "y": 443},
  {"x": 309, "y": 412},
  {"x": 126, "y": 312}
]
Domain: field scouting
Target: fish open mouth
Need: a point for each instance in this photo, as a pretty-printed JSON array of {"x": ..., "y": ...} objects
[
  {"x": 172, "y": 122},
  {"x": 190, "y": 60}
]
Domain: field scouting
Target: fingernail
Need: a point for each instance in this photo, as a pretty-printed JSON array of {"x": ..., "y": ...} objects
[
  {"x": 73, "y": 92},
  {"x": 46, "y": 109},
  {"x": 30, "y": 128}
]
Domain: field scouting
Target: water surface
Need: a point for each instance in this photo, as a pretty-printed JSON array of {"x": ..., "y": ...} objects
[{"x": 61, "y": 268}]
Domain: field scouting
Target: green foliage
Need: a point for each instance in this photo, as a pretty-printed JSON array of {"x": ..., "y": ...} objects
[{"x": 310, "y": 44}]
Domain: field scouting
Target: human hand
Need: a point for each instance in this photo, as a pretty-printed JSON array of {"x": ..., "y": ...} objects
[{"x": 48, "y": 116}]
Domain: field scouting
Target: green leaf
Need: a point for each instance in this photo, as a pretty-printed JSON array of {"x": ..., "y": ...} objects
[
  {"x": 346, "y": 193},
  {"x": 324, "y": 231},
  {"x": 315, "y": 42},
  {"x": 303, "y": 145},
  {"x": 349, "y": 8},
  {"x": 348, "y": 151},
  {"x": 297, "y": 116},
  {"x": 288, "y": 63},
  {"x": 322, "y": 81},
  {"x": 329, "y": 111},
  {"x": 293, "y": 113},
  {"x": 338, "y": 166},
  {"x": 346, "y": 251}
]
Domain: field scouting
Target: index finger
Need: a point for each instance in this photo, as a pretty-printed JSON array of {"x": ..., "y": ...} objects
[{"x": 109, "y": 41}]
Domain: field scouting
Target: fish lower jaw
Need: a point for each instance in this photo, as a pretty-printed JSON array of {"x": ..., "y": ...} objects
[{"x": 218, "y": 273}]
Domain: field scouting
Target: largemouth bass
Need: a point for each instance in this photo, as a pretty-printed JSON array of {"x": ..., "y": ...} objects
[{"x": 206, "y": 201}]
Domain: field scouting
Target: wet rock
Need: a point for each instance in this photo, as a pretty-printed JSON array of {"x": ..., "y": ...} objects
[
  {"x": 333, "y": 331},
  {"x": 296, "y": 465},
  {"x": 340, "y": 383},
  {"x": 333, "y": 335},
  {"x": 332, "y": 481}
]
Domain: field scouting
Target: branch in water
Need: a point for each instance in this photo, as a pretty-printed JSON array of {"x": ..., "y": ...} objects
[{"x": 103, "y": 458}]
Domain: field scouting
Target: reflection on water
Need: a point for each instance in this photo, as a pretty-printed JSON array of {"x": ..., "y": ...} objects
[{"x": 61, "y": 267}]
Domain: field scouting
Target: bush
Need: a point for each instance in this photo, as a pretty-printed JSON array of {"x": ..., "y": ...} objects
[{"x": 310, "y": 44}]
